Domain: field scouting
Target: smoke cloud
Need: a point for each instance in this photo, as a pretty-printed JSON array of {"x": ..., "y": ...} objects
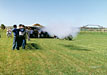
[{"x": 62, "y": 30}]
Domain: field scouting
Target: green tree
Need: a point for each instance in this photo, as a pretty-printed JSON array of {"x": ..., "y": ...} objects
[{"x": 3, "y": 26}]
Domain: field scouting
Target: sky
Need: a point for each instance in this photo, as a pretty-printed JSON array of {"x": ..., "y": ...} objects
[{"x": 45, "y": 12}]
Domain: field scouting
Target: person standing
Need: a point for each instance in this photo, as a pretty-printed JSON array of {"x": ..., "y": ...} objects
[
  {"x": 8, "y": 33},
  {"x": 41, "y": 34},
  {"x": 22, "y": 35},
  {"x": 15, "y": 39},
  {"x": 31, "y": 32},
  {"x": 28, "y": 33}
]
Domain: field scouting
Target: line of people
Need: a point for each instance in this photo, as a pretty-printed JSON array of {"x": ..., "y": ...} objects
[{"x": 19, "y": 37}]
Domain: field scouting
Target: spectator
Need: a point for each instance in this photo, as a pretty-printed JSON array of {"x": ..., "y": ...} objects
[{"x": 16, "y": 36}]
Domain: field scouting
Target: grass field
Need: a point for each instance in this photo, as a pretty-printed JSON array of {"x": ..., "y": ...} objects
[{"x": 85, "y": 55}]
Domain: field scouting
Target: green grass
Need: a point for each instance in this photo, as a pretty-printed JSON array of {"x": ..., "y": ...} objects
[{"x": 85, "y": 55}]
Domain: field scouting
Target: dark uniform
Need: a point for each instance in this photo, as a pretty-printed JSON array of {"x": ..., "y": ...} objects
[
  {"x": 22, "y": 37},
  {"x": 15, "y": 40}
]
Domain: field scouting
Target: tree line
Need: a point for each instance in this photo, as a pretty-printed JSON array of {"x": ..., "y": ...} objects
[{"x": 2, "y": 26}]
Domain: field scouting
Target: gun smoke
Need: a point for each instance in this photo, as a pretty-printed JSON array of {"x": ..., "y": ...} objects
[{"x": 62, "y": 30}]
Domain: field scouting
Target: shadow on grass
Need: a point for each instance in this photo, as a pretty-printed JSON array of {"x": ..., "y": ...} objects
[
  {"x": 33, "y": 46},
  {"x": 73, "y": 47}
]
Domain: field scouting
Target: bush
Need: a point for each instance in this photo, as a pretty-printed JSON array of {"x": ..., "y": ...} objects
[{"x": 3, "y": 26}]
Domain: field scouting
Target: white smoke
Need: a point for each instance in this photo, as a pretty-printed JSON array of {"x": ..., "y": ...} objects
[{"x": 62, "y": 30}]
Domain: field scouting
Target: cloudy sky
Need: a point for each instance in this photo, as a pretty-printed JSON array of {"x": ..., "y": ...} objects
[{"x": 75, "y": 12}]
